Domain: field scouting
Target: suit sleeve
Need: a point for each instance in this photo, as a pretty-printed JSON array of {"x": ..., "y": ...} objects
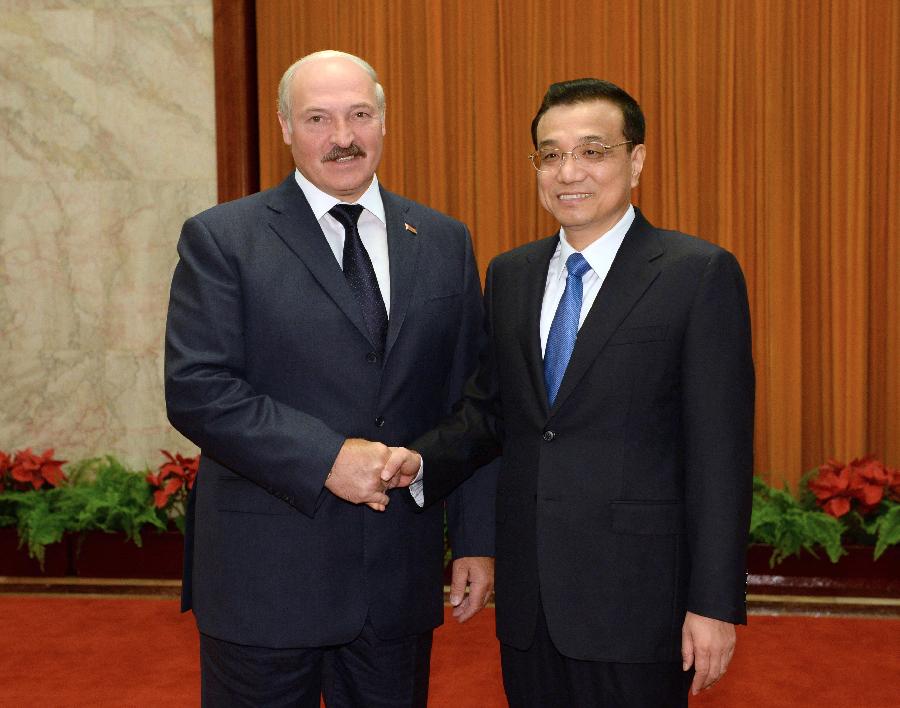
[
  {"x": 471, "y": 436},
  {"x": 208, "y": 398},
  {"x": 718, "y": 403},
  {"x": 472, "y": 506}
]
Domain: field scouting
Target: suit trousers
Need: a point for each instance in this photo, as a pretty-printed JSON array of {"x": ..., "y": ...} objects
[
  {"x": 367, "y": 672},
  {"x": 542, "y": 677}
]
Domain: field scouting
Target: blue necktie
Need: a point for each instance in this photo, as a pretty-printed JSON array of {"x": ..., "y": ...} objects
[
  {"x": 360, "y": 274},
  {"x": 564, "y": 329}
]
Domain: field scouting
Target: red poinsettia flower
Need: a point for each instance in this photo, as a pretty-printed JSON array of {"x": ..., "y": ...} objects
[
  {"x": 37, "y": 470},
  {"x": 5, "y": 463},
  {"x": 865, "y": 480},
  {"x": 869, "y": 477},
  {"x": 161, "y": 496},
  {"x": 836, "y": 506},
  {"x": 174, "y": 478},
  {"x": 893, "y": 488},
  {"x": 832, "y": 488}
]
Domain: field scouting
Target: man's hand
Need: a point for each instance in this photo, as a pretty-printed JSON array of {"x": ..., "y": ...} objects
[
  {"x": 708, "y": 644},
  {"x": 478, "y": 573},
  {"x": 401, "y": 467},
  {"x": 356, "y": 474}
]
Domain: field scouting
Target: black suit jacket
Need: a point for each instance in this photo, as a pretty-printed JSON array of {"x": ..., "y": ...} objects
[
  {"x": 269, "y": 368},
  {"x": 627, "y": 502}
]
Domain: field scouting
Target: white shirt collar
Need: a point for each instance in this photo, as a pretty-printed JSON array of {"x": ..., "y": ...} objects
[
  {"x": 320, "y": 202},
  {"x": 601, "y": 252}
]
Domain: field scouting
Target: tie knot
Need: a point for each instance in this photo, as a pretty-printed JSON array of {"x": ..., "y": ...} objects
[
  {"x": 577, "y": 265},
  {"x": 347, "y": 214}
]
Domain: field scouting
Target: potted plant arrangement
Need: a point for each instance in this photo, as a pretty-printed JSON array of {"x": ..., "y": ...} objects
[
  {"x": 99, "y": 519},
  {"x": 839, "y": 534},
  {"x": 847, "y": 512},
  {"x": 29, "y": 514}
]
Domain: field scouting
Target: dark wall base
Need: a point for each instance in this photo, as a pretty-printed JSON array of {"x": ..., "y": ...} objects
[
  {"x": 856, "y": 574},
  {"x": 97, "y": 555}
]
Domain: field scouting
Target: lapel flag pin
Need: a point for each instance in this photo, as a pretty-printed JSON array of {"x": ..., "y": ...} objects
[{"x": 411, "y": 229}]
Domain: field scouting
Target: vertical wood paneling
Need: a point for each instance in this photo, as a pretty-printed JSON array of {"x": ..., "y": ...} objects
[{"x": 237, "y": 117}]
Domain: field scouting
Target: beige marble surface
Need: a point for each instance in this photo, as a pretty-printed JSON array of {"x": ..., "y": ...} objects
[{"x": 107, "y": 143}]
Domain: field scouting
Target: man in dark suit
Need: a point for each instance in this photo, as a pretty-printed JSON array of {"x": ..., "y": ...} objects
[
  {"x": 300, "y": 562},
  {"x": 618, "y": 382}
]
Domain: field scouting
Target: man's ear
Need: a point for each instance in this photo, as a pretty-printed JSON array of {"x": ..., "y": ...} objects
[
  {"x": 637, "y": 164},
  {"x": 285, "y": 129}
]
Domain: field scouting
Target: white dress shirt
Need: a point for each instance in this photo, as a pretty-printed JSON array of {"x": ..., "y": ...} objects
[
  {"x": 372, "y": 227},
  {"x": 599, "y": 255}
]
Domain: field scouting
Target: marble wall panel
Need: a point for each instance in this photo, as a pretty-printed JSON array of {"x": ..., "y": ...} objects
[
  {"x": 144, "y": 220},
  {"x": 159, "y": 62},
  {"x": 48, "y": 99},
  {"x": 107, "y": 143},
  {"x": 52, "y": 260}
]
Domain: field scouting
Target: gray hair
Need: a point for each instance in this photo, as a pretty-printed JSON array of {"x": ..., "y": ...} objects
[{"x": 284, "y": 86}]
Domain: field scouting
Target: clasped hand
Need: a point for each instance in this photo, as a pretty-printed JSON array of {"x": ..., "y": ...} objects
[{"x": 363, "y": 472}]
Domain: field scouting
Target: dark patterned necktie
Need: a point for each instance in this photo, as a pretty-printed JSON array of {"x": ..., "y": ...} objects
[
  {"x": 360, "y": 274},
  {"x": 564, "y": 329}
]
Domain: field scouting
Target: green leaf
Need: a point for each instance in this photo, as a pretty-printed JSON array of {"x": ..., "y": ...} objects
[
  {"x": 887, "y": 529},
  {"x": 779, "y": 520},
  {"x": 113, "y": 498},
  {"x": 40, "y": 517}
]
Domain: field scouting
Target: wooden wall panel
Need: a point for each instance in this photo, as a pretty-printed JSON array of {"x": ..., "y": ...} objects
[{"x": 237, "y": 117}]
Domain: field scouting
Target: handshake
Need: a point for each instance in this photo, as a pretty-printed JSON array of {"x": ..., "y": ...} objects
[{"x": 363, "y": 472}]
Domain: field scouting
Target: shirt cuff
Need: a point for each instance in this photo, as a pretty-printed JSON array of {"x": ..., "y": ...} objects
[{"x": 417, "y": 486}]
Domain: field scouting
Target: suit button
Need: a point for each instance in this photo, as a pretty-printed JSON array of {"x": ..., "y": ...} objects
[
  {"x": 379, "y": 422},
  {"x": 549, "y": 435},
  {"x": 371, "y": 357}
]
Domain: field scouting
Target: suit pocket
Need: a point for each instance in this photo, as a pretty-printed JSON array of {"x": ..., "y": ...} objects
[
  {"x": 638, "y": 335},
  {"x": 236, "y": 494},
  {"x": 430, "y": 297},
  {"x": 647, "y": 518}
]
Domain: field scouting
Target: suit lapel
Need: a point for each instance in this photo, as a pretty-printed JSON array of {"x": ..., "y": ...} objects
[
  {"x": 294, "y": 222},
  {"x": 403, "y": 251},
  {"x": 633, "y": 270},
  {"x": 534, "y": 276}
]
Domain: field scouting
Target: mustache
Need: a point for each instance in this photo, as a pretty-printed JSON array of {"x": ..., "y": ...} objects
[{"x": 337, "y": 152}]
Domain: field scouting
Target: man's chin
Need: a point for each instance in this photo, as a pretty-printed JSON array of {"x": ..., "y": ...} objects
[{"x": 347, "y": 189}]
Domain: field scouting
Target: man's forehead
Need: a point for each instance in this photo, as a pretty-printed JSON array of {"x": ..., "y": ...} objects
[
  {"x": 584, "y": 121},
  {"x": 333, "y": 76},
  {"x": 577, "y": 140}
]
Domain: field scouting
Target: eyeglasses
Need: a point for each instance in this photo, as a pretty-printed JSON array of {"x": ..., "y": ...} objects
[{"x": 550, "y": 159}]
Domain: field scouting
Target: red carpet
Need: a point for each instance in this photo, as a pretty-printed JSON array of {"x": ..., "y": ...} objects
[{"x": 62, "y": 652}]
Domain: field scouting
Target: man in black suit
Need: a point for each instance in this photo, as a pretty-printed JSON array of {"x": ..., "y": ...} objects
[
  {"x": 618, "y": 382},
  {"x": 306, "y": 573}
]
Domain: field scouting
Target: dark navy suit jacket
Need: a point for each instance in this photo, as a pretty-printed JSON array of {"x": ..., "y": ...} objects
[{"x": 269, "y": 368}]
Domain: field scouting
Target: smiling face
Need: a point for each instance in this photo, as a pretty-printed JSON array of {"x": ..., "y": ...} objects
[
  {"x": 335, "y": 131},
  {"x": 587, "y": 199}
]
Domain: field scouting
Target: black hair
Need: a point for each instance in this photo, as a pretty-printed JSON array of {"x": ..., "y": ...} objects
[{"x": 565, "y": 93}]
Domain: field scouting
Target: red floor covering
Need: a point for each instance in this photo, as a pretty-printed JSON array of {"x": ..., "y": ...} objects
[{"x": 136, "y": 652}]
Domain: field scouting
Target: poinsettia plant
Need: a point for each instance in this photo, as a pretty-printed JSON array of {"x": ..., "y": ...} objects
[
  {"x": 98, "y": 494},
  {"x": 27, "y": 470},
  {"x": 864, "y": 495},
  {"x": 172, "y": 483},
  {"x": 837, "y": 504},
  {"x": 860, "y": 485}
]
